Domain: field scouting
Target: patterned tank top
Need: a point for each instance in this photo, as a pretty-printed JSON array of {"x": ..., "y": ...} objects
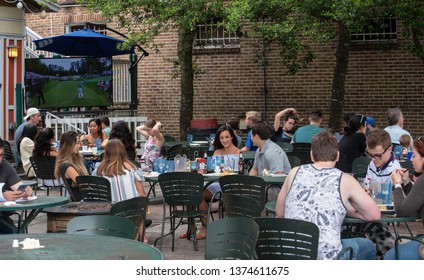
[
  {"x": 151, "y": 151},
  {"x": 315, "y": 197}
]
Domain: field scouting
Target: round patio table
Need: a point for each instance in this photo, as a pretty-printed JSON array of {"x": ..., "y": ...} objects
[
  {"x": 60, "y": 246},
  {"x": 35, "y": 206}
]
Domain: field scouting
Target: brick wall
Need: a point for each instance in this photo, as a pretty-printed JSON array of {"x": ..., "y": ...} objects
[{"x": 232, "y": 83}]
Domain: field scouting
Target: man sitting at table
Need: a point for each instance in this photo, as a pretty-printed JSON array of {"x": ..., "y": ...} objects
[
  {"x": 324, "y": 195},
  {"x": 9, "y": 183},
  {"x": 269, "y": 157}
]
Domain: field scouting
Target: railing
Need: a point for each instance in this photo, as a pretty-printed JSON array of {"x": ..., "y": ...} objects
[
  {"x": 79, "y": 123},
  {"x": 29, "y": 46}
]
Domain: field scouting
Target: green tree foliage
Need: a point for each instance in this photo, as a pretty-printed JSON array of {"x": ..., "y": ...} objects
[{"x": 146, "y": 19}]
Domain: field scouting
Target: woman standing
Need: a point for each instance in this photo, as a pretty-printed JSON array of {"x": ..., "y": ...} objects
[
  {"x": 125, "y": 179},
  {"x": 69, "y": 163},
  {"x": 96, "y": 134},
  {"x": 154, "y": 142},
  {"x": 26, "y": 146},
  {"x": 409, "y": 200}
]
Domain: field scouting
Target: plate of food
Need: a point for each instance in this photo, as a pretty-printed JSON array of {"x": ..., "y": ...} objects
[
  {"x": 26, "y": 198},
  {"x": 386, "y": 208}
]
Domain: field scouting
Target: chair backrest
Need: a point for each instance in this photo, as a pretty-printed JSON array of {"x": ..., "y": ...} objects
[
  {"x": 241, "y": 206},
  {"x": 173, "y": 151},
  {"x": 8, "y": 153},
  {"x": 294, "y": 161},
  {"x": 287, "y": 147},
  {"x": 342, "y": 164},
  {"x": 301, "y": 146},
  {"x": 243, "y": 185},
  {"x": 43, "y": 167},
  {"x": 74, "y": 193},
  {"x": 94, "y": 188},
  {"x": 286, "y": 239},
  {"x": 133, "y": 209},
  {"x": 231, "y": 238},
  {"x": 303, "y": 155},
  {"x": 181, "y": 188},
  {"x": 101, "y": 225},
  {"x": 360, "y": 166}
]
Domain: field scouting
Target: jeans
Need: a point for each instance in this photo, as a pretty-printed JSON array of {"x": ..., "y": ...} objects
[
  {"x": 407, "y": 251},
  {"x": 363, "y": 249}
]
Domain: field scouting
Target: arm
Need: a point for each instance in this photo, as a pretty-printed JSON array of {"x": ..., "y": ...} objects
[
  {"x": 143, "y": 130},
  {"x": 72, "y": 174},
  {"x": 10, "y": 195},
  {"x": 281, "y": 199},
  {"x": 358, "y": 203},
  {"x": 253, "y": 172},
  {"x": 158, "y": 134},
  {"x": 104, "y": 141},
  {"x": 280, "y": 114},
  {"x": 411, "y": 203},
  {"x": 140, "y": 189}
]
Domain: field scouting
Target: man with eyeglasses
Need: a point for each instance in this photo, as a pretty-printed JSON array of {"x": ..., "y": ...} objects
[
  {"x": 383, "y": 161},
  {"x": 32, "y": 116}
]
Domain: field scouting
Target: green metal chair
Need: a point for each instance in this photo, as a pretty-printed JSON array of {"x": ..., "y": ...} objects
[
  {"x": 173, "y": 151},
  {"x": 94, "y": 188},
  {"x": 183, "y": 192},
  {"x": 44, "y": 170},
  {"x": 241, "y": 206},
  {"x": 287, "y": 147},
  {"x": 303, "y": 155},
  {"x": 294, "y": 161},
  {"x": 102, "y": 225},
  {"x": 133, "y": 209},
  {"x": 301, "y": 147},
  {"x": 231, "y": 238},
  {"x": 360, "y": 167},
  {"x": 286, "y": 239}
]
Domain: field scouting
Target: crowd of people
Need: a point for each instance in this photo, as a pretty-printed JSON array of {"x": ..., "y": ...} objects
[{"x": 319, "y": 192}]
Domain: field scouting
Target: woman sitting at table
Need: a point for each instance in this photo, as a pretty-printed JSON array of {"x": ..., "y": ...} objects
[
  {"x": 408, "y": 200},
  {"x": 285, "y": 133},
  {"x": 121, "y": 131},
  {"x": 124, "y": 177},
  {"x": 69, "y": 162},
  {"x": 353, "y": 143},
  {"x": 43, "y": 147},
  {"x": 96, "y": 134},
  {"x": 225, "y": 146},
  {"x": 154, "y": 142},
  {"x": 25, "y": 147}
]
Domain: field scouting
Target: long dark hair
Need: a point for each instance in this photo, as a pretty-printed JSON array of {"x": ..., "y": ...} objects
[
  {"x": 355, "y": 122},
  {"x": 217, "y": 143},
  {"x": 30, "y": 131},
  {"x": 121, "y": 131},
  {"x": 43, "y": 145}
]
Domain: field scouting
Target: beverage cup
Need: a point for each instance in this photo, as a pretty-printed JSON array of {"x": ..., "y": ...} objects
[
  {"x": 386, "y": 193},
  {"x": 193, "y": 166},
  {"x": 375, "y": 189},
  {"x": 94, "y": 150},
  {"x": 84, "y": 148}
]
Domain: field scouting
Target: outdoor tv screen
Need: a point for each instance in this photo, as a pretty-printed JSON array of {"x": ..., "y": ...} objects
[{"x": 68, "y": 82}]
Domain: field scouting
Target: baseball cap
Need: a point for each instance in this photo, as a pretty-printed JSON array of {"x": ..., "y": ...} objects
[
  {"x": 370, "y": 121},
  {"x": 30, "y": 112}
]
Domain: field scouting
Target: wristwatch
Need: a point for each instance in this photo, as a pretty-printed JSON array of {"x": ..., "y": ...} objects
[{"x": 398, "y": 185}]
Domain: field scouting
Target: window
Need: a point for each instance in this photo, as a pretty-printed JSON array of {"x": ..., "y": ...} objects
[
  {"x": 377, "y": 30},
  {"x": 212, "y": 36},
  {"x": 99, "y": 27}
]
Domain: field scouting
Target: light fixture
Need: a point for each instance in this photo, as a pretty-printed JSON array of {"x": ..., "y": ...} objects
[
  {"x": 19, "y": 5},
  {"x": 12, "y": 51},
  {"x": 43, "y": 14}
]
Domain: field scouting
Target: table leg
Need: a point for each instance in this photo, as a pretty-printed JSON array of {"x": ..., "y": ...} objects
[{"x": 28, "y": 219}]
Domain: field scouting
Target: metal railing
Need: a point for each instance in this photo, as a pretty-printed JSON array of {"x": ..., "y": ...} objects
[{"x": 79, "y": 123}]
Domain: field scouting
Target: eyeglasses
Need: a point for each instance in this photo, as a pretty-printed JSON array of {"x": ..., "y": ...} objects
[{"x": 376, "y": 156}]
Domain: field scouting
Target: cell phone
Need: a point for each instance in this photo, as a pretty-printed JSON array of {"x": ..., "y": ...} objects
[{"x": 22, "y": 188}]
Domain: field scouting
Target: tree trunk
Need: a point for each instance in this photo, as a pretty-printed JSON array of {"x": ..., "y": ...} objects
[
  {"x": 339, "y": 78},
  {"x": 185, "y": 58}
]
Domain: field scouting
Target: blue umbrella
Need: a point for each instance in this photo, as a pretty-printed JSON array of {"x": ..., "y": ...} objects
[{"x": 85, "y": 42}]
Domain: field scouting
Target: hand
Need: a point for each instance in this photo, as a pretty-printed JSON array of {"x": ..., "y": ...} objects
[
  {"x": 12, "y": 195},
  {"x": 405, "y": 175},
  {"x": 27, "y": 192}
]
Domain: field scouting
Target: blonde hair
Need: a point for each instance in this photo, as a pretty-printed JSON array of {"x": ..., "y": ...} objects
[
  {"x": 114, "y": 159},
  {"x": 68, "y": 140},
  {"x": 253, "y": 116}
]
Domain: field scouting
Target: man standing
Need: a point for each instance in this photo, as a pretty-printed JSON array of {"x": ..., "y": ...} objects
[
  {"x": 395, "y": 125},
  {"x": 32, "y": 116},
  {"x": 324, "y": 195},
  {"x": 252, "y": 117},
  {"x": 269, "y": 156},
  {"x": 80, "y": 93},
  {"x": 305, "y": 133}
]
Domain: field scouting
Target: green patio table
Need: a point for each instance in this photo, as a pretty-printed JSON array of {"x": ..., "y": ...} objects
[
  {"x": 35, "y": 206},
  {"x": 62, "y": 246}
]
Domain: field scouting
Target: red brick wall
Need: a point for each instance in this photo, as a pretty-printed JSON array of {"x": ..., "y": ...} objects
[{"x": 232, "y": 83}]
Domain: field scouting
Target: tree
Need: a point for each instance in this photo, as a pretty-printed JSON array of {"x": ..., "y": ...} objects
[
  {"x": 288, "y": 22},
  {"x": 146, "y": 19}
]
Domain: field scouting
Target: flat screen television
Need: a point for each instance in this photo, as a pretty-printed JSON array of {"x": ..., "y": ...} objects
[{"x": 68, "y": 82}]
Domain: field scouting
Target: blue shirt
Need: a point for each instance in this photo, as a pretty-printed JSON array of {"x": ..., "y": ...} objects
[
  {"x": 249, "y": 142},
  {"x": 396, "y": 132},
  {"x": 305, "y": 133}
]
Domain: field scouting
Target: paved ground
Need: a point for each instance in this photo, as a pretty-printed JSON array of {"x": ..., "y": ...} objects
[{"x": 183, "y": 247}]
